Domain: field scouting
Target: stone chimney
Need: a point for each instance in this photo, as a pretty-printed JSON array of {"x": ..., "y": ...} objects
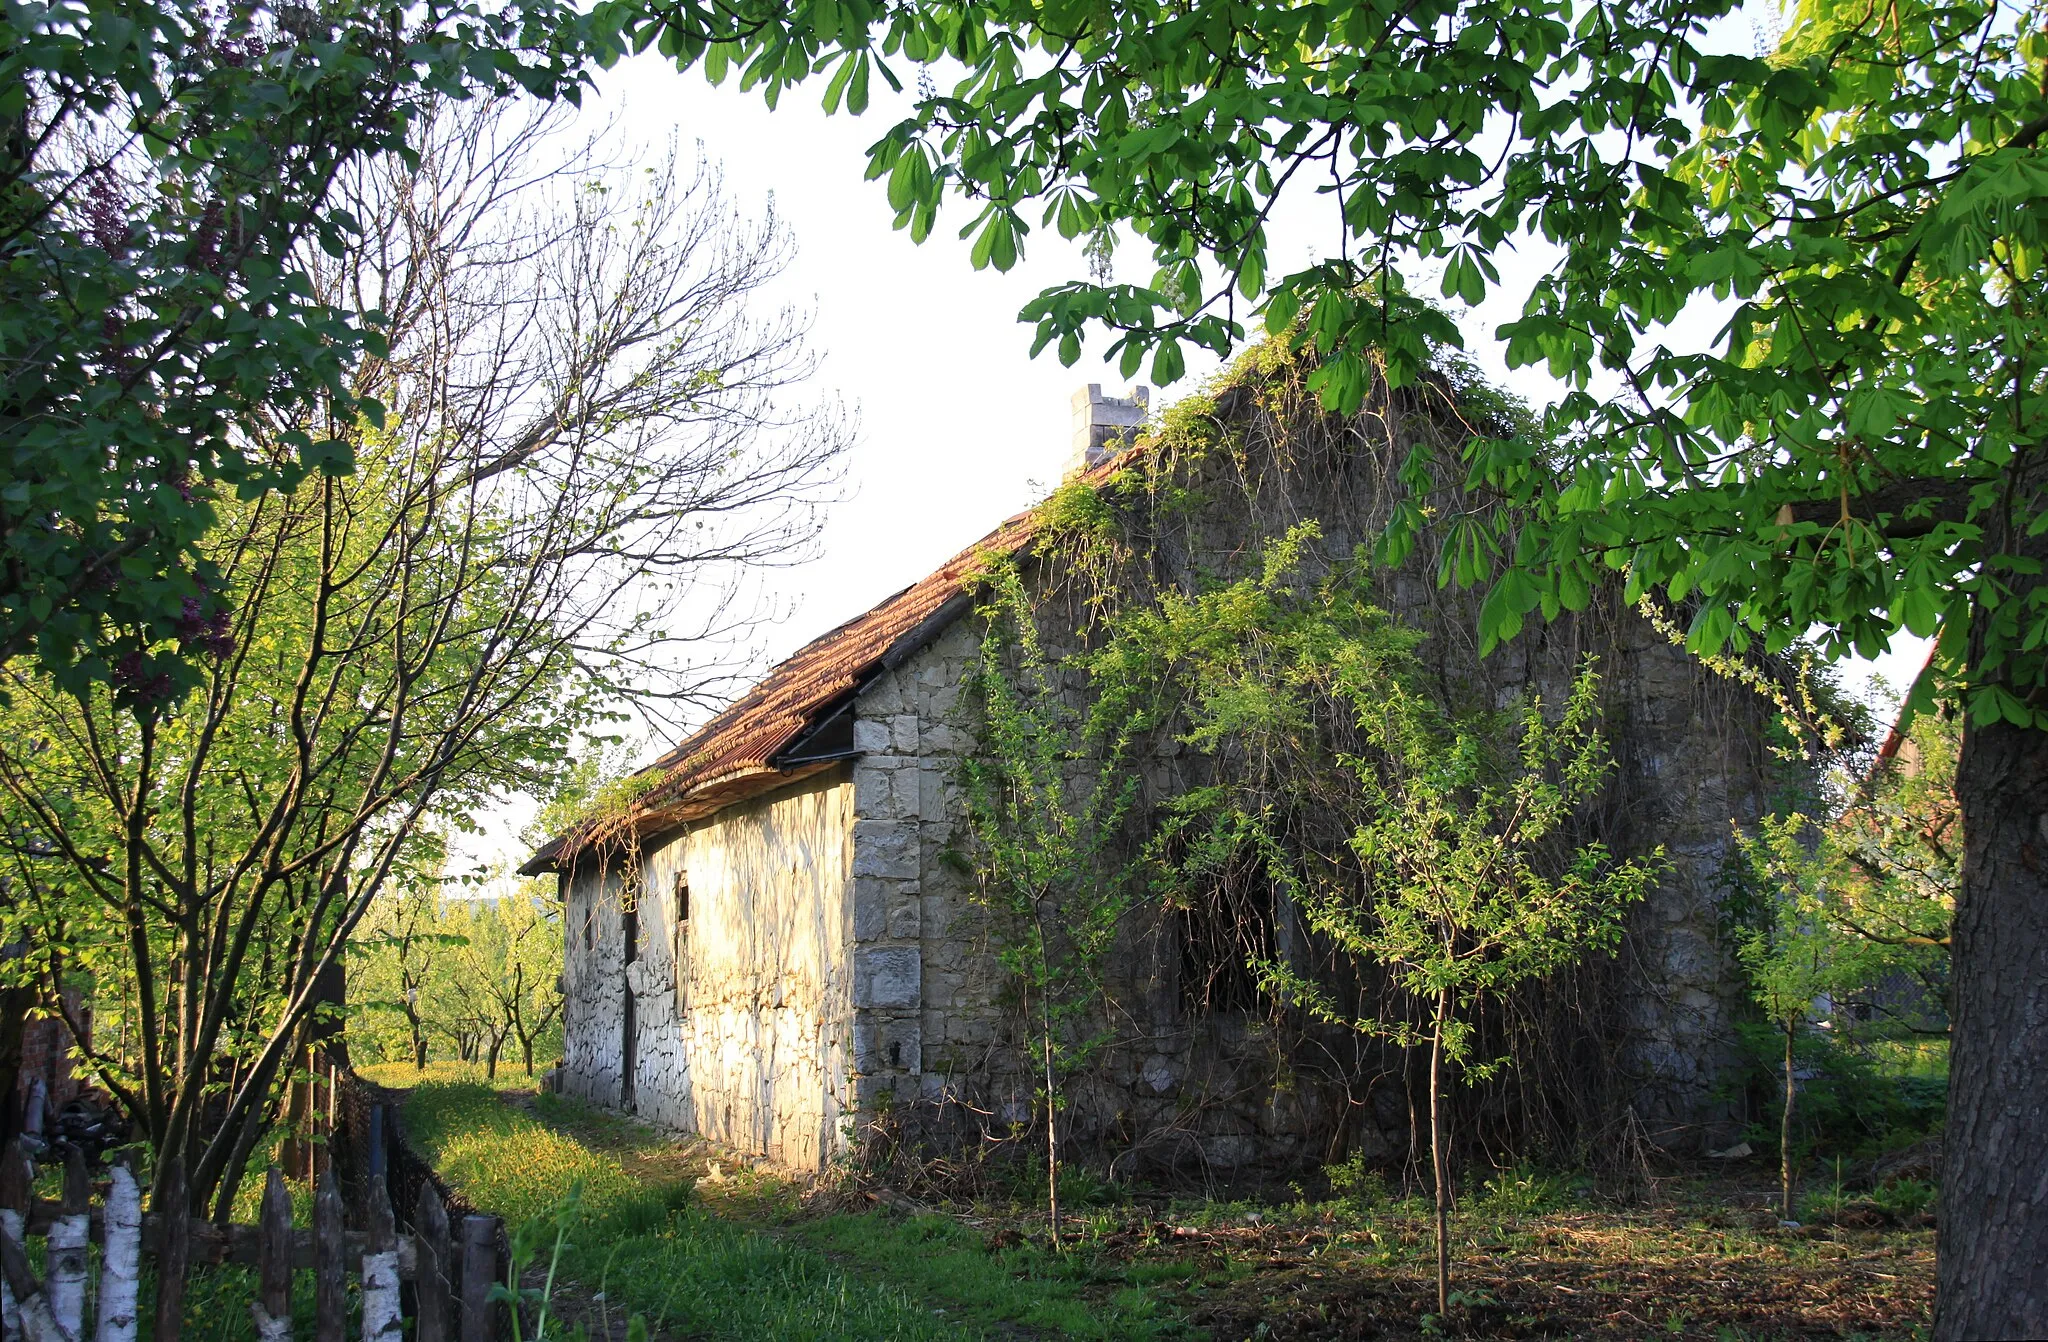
[{"x": 1105, "y": 425}]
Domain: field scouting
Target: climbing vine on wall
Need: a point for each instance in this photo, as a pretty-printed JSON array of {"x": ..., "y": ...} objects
[
  {"x": 1045, "y": 809},
  {"x": 1310, "y": 743}
]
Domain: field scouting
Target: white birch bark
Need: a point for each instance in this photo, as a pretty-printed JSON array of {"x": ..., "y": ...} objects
[
  {"x": 64, "y": 1277},
  {"x": 10, "y": 1311},
  {"x": 380, "y": 1297},
  {"x": 121, "y": 1261},
  {"x": 38, "y": 1324}
]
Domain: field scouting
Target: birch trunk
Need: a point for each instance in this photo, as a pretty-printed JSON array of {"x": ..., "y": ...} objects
[
  {"x": 121, "y": 1261},
  {"x": 10, "y": 1309},
  {"x": 380, "y": 1297},
  {"x": 64, "y": 1270}
]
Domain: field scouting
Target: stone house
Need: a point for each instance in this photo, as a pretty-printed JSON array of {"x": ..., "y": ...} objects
[{"x": 788, "y": 944}]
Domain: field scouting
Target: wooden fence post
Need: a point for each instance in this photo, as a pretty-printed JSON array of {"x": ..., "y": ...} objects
[
  {"x": 65, "y": 1255},
  {"x": 272, "y": 1307},
  {"x": 380, "y": 1270},
  {"x": 330, "y": 1263},
  {"x": 174, "y": 1242},
  {"x": 479, "y": 1268},
  {"x": 121, "y": 1255},
  {"x": 431, "y": 1261}
]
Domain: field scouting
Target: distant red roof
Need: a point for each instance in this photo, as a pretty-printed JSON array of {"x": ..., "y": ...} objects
[{"x": 734, "y": 756}]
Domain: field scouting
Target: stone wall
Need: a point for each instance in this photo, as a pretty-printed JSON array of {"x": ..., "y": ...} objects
[
  {"x": 748, "y": 1044},
  {"x": 925, "y": 980},
  {"x": 1193, "y": 1089},
  {"x": 838, "y": 966}
]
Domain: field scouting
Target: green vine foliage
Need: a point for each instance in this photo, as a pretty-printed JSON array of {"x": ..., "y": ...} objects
[
  {"x": 1437, "y": 850},
  {"x": 1452, "y": 867},
  {"x": 1047, "y": 801}
]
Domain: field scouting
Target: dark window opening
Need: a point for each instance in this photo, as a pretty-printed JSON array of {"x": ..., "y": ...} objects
[{"x": 1226, "y": 931}]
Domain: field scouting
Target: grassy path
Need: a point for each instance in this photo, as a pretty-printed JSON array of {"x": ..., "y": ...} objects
[
  {"x": 641, "y": 1241},
  {"x": 701, "y": 1248}
]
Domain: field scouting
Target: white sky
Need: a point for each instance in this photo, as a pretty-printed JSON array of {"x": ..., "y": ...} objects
[{"x": 959, "y": 428}]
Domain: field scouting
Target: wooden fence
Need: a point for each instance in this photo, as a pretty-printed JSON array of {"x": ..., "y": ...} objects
[{"x": 443, "y": 1281}]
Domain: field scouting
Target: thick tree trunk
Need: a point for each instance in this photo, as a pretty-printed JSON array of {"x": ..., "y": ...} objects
[
  {"x": 15, "y": 1004},
  {"x": 1994, "y": 1189}
]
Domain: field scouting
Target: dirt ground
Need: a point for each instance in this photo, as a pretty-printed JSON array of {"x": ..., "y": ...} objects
[{"x": 1645, "y": 1272}]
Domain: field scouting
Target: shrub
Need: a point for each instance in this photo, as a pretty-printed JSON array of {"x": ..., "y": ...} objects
[
  {"x": 1355, "y": 1183},
  {"x": 1903, "y": 1199},
  {"x": 1522, "y": 1191},
  {"x": 1848, "y": 1104}
]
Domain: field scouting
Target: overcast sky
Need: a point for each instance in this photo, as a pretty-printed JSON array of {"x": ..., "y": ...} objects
[{"x": 959, "y": 427}]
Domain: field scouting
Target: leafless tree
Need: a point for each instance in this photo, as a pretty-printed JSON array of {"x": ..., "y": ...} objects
[{"x": 589, "y": 441}]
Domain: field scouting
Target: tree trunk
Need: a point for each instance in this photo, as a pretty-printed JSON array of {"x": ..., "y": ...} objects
[
  {"x": 1052, "y": 1094},
  {"x": 15, "y": 1004},
  {"x": 491, "y": 1060},
  {"x": 1052, "y": 1142},
  {"x": 419, "y": 1050},
  {"x": 526, "y": 1054},
  {"x": 1438, "y": 1160},
  {"x": 1785, "y": 1132},
  {"x": 1994, "y": 1194}
]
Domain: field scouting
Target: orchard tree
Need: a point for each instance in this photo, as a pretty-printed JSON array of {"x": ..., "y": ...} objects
[
  {"x": 397, "y": 967},
  {"x": 1436, "y": 849},
  {"x": 508, "y": 970},
  {"x": 1043, "y": 832},
  {"x": 1470, "y": 884},
  {"x": 1793, "y": 296}
]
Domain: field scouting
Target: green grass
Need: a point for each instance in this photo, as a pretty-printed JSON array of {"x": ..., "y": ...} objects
[
  {"x": 1026, "y": 1285},
  {"x": 646, "y": 1246},
  {"x": 511, "y": 1076}
]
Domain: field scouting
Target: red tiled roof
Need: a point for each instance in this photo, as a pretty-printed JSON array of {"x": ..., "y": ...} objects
[{"x": 732, "y": 757}]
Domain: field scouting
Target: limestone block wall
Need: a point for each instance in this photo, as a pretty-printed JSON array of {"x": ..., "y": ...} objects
[
  {"x": 924, "y": 978},
  {"x": 740, "y": 1014},
  {"x": 593, "y": 984}
]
